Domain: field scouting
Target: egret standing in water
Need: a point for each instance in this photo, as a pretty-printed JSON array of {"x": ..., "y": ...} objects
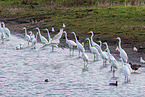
[
  {"x": 70, "y": 43},
  {"x": 27, "y": 37},
  {"x": 79, "y": 45},
  {"x": 6, "y": 31},
  {"x": 126, "y": 71},
  {"x": 55, "y": 40},
  {"x": 42, "y": 38},
  {"x": 34, "y": 41},
  {"x": 93, "y": 50},
  {"x": 113, "y": 61},
  {"x": 92, "y": 42},
  {"x": 86, "y": 59},
  {"x": 123, "y": 54}
]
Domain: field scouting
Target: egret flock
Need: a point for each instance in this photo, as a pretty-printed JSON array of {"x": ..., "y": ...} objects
[{"x": 95, "y": 49}]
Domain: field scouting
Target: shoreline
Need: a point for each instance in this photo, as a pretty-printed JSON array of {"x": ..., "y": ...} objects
[{"x": 133, "y": 56}]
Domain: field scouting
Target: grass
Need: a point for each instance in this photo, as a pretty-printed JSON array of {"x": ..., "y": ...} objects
[{"x": 106, "y": 22}]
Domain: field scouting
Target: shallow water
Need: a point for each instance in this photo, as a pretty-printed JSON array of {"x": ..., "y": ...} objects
[{"x": 23, "y": 73}]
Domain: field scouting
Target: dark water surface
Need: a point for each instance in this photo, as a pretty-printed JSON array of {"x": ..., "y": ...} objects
[{"x": 22, "y": 73}]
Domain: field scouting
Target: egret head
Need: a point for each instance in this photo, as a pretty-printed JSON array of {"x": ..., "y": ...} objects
[
  {"x": 24, "y": 28},
  {"x": 64, "y": 31}
]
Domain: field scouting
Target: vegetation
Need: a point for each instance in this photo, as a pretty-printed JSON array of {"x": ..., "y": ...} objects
[{"x": 105, "y": 21}]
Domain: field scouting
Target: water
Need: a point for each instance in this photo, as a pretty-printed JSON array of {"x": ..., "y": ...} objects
[{"x": 23, "y": 73}]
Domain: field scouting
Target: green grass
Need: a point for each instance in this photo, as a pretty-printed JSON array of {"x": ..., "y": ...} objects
[{"x": 110, "y": 21}]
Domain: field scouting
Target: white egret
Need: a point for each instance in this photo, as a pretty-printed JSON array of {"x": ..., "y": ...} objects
[
  {"x": 52, "y": 29},
  {"x": 123, "y": 54},
  {"x": 42, "y": 38},
  {"x": 117, "y": 49},
  {"x": 79, "y": 45},
  {"x": 112, "y": 60},
  {"x": 27, "y": 37},
  {"x": 55, "y": 40},
  {"x": 70, "y": 43},
  {"x": 49, "y": 38},
  {"x": 93, "y": 50},
  {"x": 63, "y": 25},
  {"x": 103, "y": 54},
  {"x": 86, "y": 59},
  {"x": 2, "y": 36},
  {"x": 1, "y": 29},
  {"x": 126, "y": 71},
  {"x": 32, "y": 36},
  {"x": 6, "y": 30},
  {"x": 135, "y": 49},
  {"x": 141, "y": 60},
  {"x": 92, "y": 42},
  {"x": 34, "y": 41}
]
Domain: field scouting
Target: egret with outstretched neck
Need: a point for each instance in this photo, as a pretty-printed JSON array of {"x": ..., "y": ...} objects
[
  {"x": 113, "y": 61},
  {"x": 6, "y": 30},
  {"x": 123, "y": 54},
  {"x": 126, "y": 71},
  {"x": 93, "y": 50},
  {"x": 79, "y": 45},
  {"x": 42, "y": 38},
  {"x": 27, "y": 37},
  {"x": 70, "y": 43}
]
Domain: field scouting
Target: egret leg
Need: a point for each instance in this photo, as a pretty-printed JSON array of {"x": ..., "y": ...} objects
[
  {"x": 73, "y": 50},
  {"x": 113, "y": 72},
  {"x": 28, "y": 43},
  {"x": 84, "y": 65},
  {"x": 79, "y": 53},
  {"x": 70, "y": 50},
  {"x": 94, "y": 57},
  {"x": 111, "y": 68}
]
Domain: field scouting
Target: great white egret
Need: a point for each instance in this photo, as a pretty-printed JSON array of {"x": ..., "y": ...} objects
[
  {"x": 135, "y": 49},
  {"x": 27, "y": 37},
  {"x": 112, "y": 60},
  {"x": 6, "y": 30},
  {"x": 34, "y": 41},
  {"x": 52, "y": 29},
  {"x": 79, "y": 45},
  {"x": 92, "y": 42},
  {"x": 93, "y": 50},
  {"x": 63, "y": 25},
  {"x": 49, "y": 38},
  {"x": 32, "y": 36},
  {"x": 141, "y": 60},
  {"x": 126, "y": 71},
  {"x": 55, "y": 40},
  {"x": 42, "y": 38},
  {"x": 86, "y": 59},
  {"x": 103, "y": 54},
  {"x": 123, "y": 54},
  {"x": 1, "y": 29},
  {"x": 70, "y": 43}
]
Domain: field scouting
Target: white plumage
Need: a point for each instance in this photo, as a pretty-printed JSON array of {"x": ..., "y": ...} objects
[
  {"x": 141, "y": 60},
  {"x": 79, "y": 45},
  {"x": 93, "y": 50},
  {"x": 123, "y": 54},
  {"x": 70, "y": 43}
]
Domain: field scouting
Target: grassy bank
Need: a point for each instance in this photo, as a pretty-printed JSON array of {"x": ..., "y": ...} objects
[{"x": 106, "y": 22}]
